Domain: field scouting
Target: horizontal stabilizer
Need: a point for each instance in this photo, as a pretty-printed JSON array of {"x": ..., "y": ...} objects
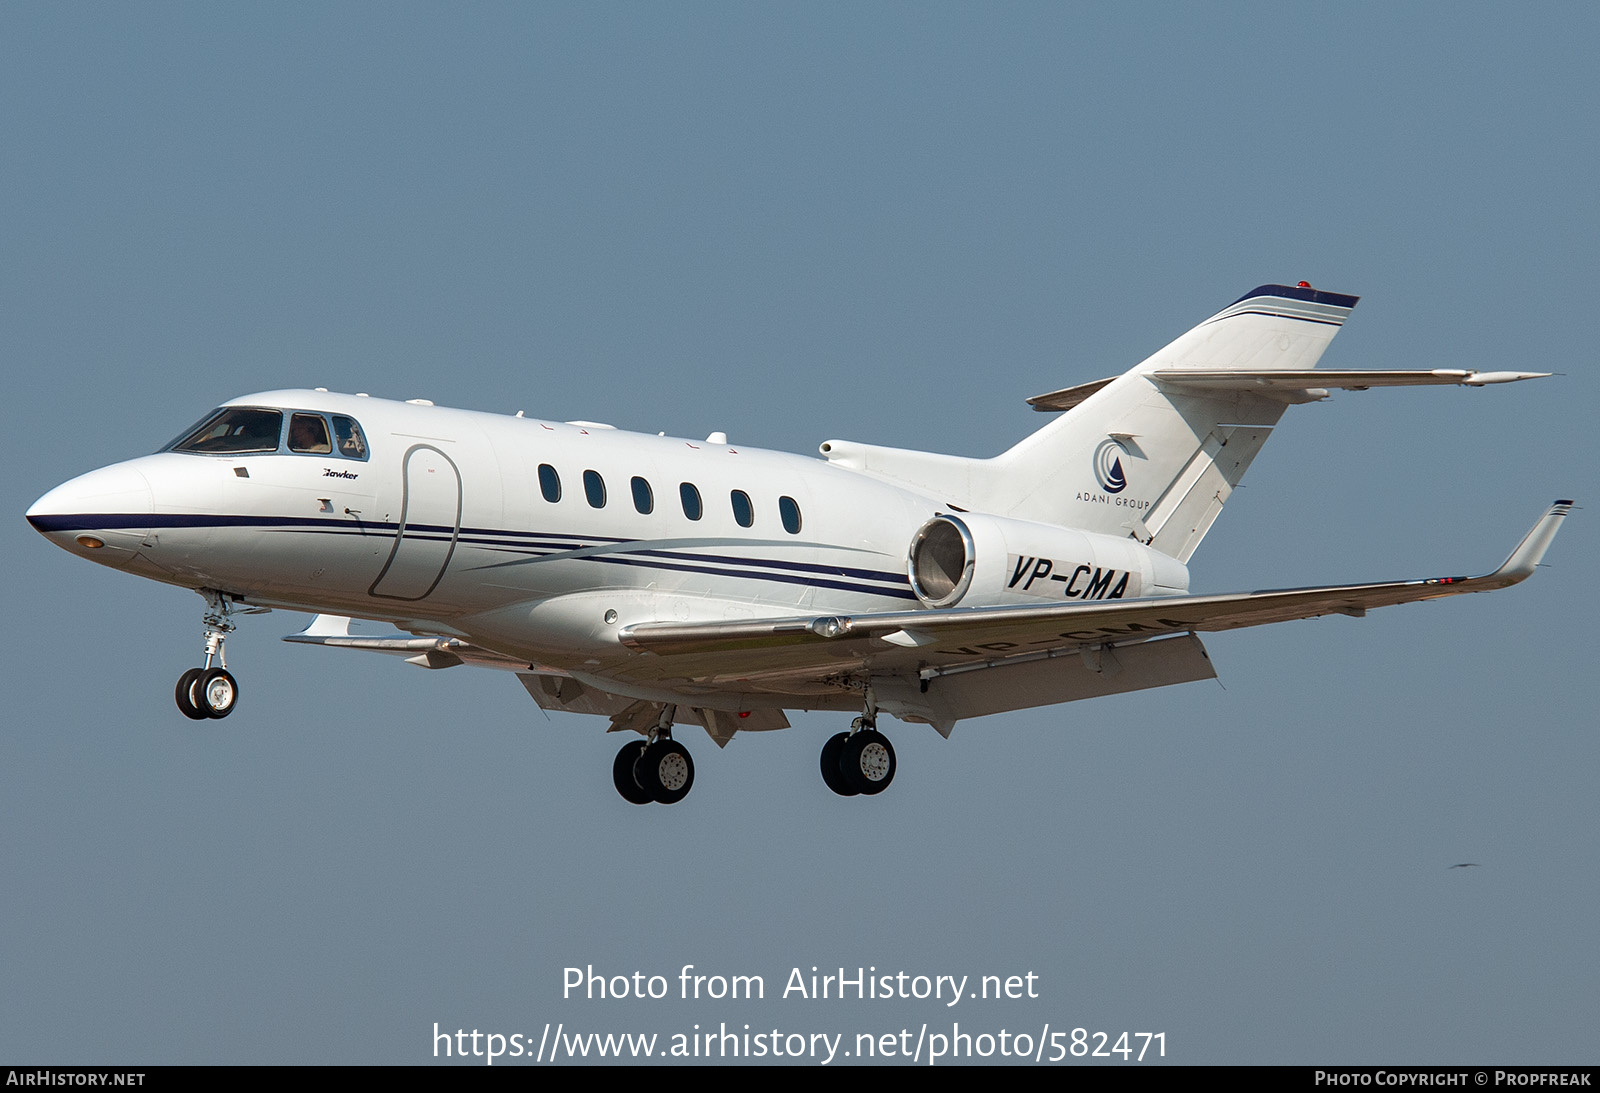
[
  {"x": 1298, "y": 385},
  {"x": 1315, "y": 382},
  {"x": 1067, "y": 397}
]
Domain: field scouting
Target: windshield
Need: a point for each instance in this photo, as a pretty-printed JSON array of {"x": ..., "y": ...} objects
[{"x": 235, "y": 429}]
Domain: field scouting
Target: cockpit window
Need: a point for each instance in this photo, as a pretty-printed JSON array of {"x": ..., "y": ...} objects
[
  {"x": 347, "y": 434},
  {"x": 309, "y": 433},
  {"x": 235, "y": 429}
]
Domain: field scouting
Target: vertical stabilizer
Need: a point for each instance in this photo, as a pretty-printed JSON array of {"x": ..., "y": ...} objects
[{"x": 1152, "y": 458}]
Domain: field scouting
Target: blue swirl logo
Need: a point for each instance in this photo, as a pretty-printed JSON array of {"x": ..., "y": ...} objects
[{"x": 1108, "y": 466}]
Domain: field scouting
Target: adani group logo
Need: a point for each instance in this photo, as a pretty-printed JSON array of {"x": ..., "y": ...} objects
[{"x": 1108, "y": 466}]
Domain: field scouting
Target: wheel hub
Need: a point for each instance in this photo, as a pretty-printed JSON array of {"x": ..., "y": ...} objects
[
  {"x": 875, "y": 762},
  {"x": 219, "y": 694},
  {"x": 673, "y": 771}
]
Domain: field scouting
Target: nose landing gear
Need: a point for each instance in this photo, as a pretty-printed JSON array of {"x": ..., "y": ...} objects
[
  {"x": 206, "y": 692},
  {"x": 210, "y": 691}
]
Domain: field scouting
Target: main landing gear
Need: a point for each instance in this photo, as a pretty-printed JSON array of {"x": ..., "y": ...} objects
[
  {"x": 210, "y": 691},
  {"x": 861, "y": 760},
  {"x": 657, "y": 769}
]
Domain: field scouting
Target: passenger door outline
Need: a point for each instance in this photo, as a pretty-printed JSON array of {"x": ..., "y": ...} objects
[{"x": 429, "y": 478}]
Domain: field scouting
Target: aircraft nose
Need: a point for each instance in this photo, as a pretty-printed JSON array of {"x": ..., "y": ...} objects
[{"x": 103, "y": 515}]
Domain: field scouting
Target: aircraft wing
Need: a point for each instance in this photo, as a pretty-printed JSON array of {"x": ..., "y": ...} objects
[
  {"x": 427, "y": 652},
  {"x": 935, "y": 641}
]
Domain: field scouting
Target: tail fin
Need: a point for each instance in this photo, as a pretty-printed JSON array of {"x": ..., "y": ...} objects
[{"x": 1148, "y": 456}]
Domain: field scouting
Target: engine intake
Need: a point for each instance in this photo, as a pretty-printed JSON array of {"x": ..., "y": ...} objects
[{"x": 977, "y": 560}]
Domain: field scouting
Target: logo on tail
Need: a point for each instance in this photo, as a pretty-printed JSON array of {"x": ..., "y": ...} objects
[{"x": 1108, "y": 466}]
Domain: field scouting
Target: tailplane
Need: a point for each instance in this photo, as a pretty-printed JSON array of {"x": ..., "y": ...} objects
[
  {"x": 1155, "y": 452},
  {"x": 1147, "y": 454}
]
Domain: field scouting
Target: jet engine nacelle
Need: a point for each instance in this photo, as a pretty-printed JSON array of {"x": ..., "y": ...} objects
[{"x": 976, "y": 560}]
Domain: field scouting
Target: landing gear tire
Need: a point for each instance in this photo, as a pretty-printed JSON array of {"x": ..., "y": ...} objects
[
  {"x": 216, "y": 692},
  {"x": 665, "y": 771},
  {"x": 866, "y": 762},
  {"x": 622, "y": 773},
  {"x": 186, "y": 696},
  {"x": 832, "y": 772}
]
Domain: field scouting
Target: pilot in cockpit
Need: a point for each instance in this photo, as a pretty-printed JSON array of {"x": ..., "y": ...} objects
[{"x": 309, "y": 433}]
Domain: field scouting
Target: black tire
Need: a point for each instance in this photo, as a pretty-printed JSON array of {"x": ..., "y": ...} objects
[
  {"x": 216, "y": 692},
  {"x": 832, "y": 774},
  {"x": 665, "y": 771},
  {"x": 187, "y": 698},
  {"x": 622, "y": 773},
  {"x": 867, "y": 762}
]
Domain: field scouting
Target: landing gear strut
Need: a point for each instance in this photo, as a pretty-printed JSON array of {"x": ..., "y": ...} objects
[
  {"x": 210, "y": 691},
  {"x": 657, "y": 769},
  {"x": 861, "y": 760}
]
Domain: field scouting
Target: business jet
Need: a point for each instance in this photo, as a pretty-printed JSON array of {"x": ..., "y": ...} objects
[{"x": 660, "y": 581}]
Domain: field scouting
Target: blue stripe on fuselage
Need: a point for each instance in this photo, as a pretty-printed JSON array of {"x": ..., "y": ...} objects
[{"x": 592, "y": 548}]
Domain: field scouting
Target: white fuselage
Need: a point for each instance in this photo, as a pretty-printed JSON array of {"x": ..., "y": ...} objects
[
  {"x": 446, "y": 526},
  {"x": 653, "y": 579},
  {"x": 657, "y": 580}
]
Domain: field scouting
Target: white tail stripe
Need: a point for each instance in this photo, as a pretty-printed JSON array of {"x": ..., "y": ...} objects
[{"x": 1282, "y": 308}]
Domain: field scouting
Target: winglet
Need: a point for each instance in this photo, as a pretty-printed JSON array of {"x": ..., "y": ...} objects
[
  {"x": 1526, "y": 557},
  {"x": 327, "y": 626}
]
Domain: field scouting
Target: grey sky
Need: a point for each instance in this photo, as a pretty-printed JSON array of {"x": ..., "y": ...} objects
[{"x": 795, "y": 222}]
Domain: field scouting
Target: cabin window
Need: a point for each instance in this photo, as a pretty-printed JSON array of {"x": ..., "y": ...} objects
[
  {"x": 347, "y": 438},
  {"x": 692, "y": 508},
  {"x": 549, "y": 483},
  {"x": 789, "y": 513},
  {"x": 643, "y": 499},
  {"x": 594, "y": 488},
  {"x": 743, "y": 511},
  {"x": 234, "y": 429},
  {"x": 308, "y": 434}
]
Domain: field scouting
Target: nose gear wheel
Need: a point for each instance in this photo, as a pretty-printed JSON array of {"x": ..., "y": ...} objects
[{"x": 211, "y": 691}]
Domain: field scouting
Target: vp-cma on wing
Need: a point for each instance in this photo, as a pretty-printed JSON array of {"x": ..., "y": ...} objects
[{"x": 658, "y": 581}]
